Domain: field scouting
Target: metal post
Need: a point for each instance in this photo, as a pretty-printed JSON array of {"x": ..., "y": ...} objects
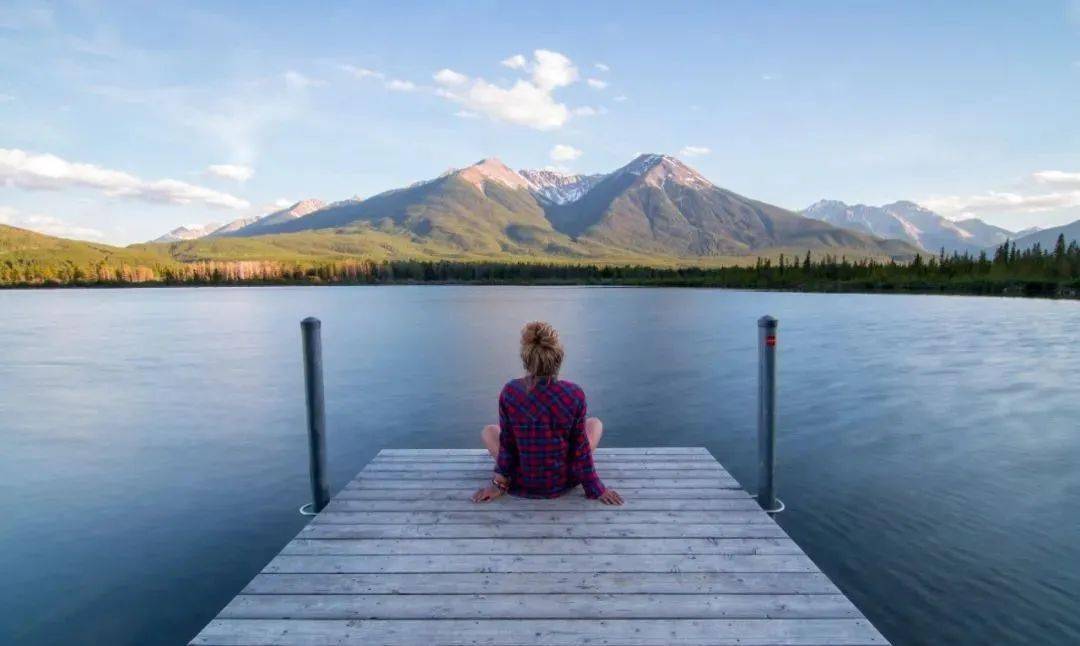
[
  {"x": 767, "y": 413},
  {"x": 316, "y": 412}
]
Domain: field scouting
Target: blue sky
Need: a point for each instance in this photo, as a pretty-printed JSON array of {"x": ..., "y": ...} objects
[{"x": 120, "y": 121}]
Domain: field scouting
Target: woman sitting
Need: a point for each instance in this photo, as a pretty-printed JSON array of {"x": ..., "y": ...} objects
[{"x": 543, "y": 444}]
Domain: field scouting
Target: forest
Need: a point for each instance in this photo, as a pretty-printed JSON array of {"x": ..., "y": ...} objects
[{"x": 1007, "y": 271}]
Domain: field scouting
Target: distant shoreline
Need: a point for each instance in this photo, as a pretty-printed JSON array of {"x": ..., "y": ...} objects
[{"x": 1008, "y": 290}]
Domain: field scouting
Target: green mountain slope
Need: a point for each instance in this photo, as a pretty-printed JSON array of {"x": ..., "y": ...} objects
[{"x": 653, "y": 207}]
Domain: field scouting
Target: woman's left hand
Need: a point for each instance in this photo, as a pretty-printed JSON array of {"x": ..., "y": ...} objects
[{"x": 487, "y": 494}]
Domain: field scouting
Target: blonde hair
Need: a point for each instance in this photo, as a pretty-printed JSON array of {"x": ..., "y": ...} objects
[{"x": 541, "y": 351}]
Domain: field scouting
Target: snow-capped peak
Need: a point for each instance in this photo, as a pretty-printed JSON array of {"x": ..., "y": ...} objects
[
  {"x": 659, "y": 169},
  {"x": 557, "y": 187}
]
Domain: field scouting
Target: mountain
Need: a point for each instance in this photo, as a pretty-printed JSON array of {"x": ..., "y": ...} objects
[
  {"x": 260, "y": 225},
  {"x": 23, "y": 247},
  {"x": 911, "y": 223},
  {"x": 189, "y": 232},
  {"x": 1047, "y": 238},
  {"x": 653, "y": 206},
  {"x": 554, "y": 187}
]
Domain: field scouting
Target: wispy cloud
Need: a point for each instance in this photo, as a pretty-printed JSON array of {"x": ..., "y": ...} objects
[
  {"x": 597, "y": 84},
  {"x": 48, "y": 172},
  {"x": 399, "y": 85},
  {"x": 231, "y": 171},
  {"x": 602, "y": 67},
  {"x": 528, "y": 102},
  {"x": 236, "y": 118},
  {"x": 298, "y": 81},
  {"x": 564, "y": 153},
  {"x": 360, "y": 72},
  {"x": 450, "y": 77},
  {"x": 1014, "y": 201},
  {"x": 515, "y": 62},
  {"x": 620, "y": 98},
  {"x": 47, "y": 224},
  {"x": 1057, "y": 177},
  {"x": 694, "y": 151}
]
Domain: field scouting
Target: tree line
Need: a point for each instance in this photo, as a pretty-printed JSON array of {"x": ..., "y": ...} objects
[{"x": 1032, "y": 272}]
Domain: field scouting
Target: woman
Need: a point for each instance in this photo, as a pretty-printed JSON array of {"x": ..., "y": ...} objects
[{"x": 543, "y": 444}]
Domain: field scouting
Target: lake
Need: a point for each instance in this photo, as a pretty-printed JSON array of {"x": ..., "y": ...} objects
[{"x": 155, "y": 449}]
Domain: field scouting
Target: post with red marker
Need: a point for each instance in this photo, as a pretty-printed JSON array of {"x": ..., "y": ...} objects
[{"x": 767, "y": 415}]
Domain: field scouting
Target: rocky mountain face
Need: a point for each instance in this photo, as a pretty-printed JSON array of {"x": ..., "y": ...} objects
[
  {"x": 288, "y": 214},
  {"x": 553, "y": 187},
  {"x": 655, "y": 205},
  {"x": 242, "y": 226},
  {"x": 189, "y": 232},
  {"x": 911, "y": 223}
]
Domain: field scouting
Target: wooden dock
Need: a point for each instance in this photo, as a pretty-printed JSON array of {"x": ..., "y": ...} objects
[{"x": 402, "y": 556}]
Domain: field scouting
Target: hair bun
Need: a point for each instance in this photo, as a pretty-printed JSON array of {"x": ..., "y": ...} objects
[{"x": 540, "y": 334}]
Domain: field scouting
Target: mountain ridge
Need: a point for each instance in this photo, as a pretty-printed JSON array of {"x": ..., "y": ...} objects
[
  {"x": 908, "y": 221},
  {"x": 655, "y": 205}
]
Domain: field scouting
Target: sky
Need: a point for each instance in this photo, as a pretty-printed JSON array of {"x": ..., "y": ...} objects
[{"x": 119, "y": 122}]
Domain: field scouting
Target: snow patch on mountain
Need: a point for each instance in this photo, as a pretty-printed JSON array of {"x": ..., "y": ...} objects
[{"x": 555, "y": 187}]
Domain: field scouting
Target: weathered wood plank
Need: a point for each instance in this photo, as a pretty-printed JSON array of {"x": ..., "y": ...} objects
[
  {"x": 602, "y": 451},
  {"x": 488, "y": 464},
  {"x": 542, "y": 563},
  {"x": 540, "y": 606},
  {"x": 608, "y": 458},
  {"x": 546, "y": 583},
  {"x": 484, "y": 474},
  {"x": 497, "y": 516},
  {"x": 552, "y": 546},
  {"x": 561, "y": 632},
  {"x": 578, "y": 504},
  {"x": 479, "y": 480},
  {"x": 566, "y": 530},
  {"x": 464, "y": 493}
]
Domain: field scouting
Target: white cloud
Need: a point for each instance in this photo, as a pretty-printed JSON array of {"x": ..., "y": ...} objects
[
  {"x": 997, "y": 201},
  {"x": 597, "y": 84},
  {"x": 398, "y": 85},
  {"x": 768, "y": 77},
  {"x": 564, "y": 153},
  {"x": 589, "y": 111},
  {"x": 1058, "y": 177},
  {"x": 297, "y": 81},
  {"x": 602, "y": 67},
  {"x": 231, "y": 171},
  {"x": 360, "y": 72},
  {"x": 47, "y": 224},
  {"x": 465, "y": 114},
  {"x": 283, "y": 203},
  {"x": 515, "y": 62},
  {"x": 528, "y": 102},
  {"x": 620, "y": 98},
  {"x": 552, "y": 70},
  {"x": 1016, "y": 201},
  {"x": 49, "y": 172},
  {"x": 450, "y": 77},
  {"x": 694, "y": 151}
]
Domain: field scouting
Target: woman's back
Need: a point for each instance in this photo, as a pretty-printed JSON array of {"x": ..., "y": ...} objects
[{"x": 543, "y": 446}]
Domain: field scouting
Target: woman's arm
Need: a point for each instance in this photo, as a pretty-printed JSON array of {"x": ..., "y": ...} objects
[
  {"x": 508, "y": 461},
  {"x": 581, "y": 459}
]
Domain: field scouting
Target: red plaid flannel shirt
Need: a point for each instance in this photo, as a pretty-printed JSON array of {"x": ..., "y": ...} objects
[{"x": 543, "y": 447}]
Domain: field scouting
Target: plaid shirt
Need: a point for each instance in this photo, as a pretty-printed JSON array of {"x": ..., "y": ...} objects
[{"x": 543, "y": 447}]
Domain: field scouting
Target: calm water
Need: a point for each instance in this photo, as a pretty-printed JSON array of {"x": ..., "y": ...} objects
[{"x": 154, "y": 450}]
